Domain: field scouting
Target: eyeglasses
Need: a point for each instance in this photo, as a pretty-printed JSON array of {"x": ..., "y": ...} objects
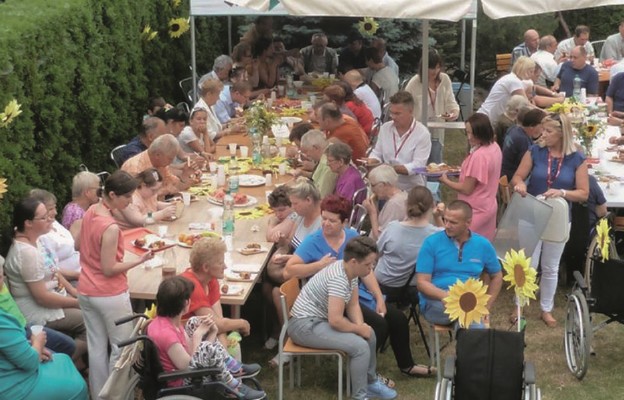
[
  {"x": 46, "y": 218},
  {"x": 372, "y": 185}
]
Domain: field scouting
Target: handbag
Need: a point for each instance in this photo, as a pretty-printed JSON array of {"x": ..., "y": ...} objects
[{"x": 366, "y": 298}]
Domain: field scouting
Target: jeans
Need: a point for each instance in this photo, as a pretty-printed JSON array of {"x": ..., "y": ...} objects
[
  {"x": 316, "y": 332},
  {"x": 56, "y": 341},
  {"x": 435, "y": 156},
  {"x": 434, "y": 313}
]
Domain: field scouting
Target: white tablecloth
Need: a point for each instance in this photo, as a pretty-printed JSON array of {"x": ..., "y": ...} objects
[{"x": 613, "y": 191}]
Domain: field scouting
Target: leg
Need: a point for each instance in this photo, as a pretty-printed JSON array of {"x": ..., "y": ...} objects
[
  {"x": 551, "y": 255},
  {"x": 73, "y": 325},
  {"x": 435, "y": 156},
  {"x": 434, "y": 312},
  {"x": 56, "y": 341},
  {"x": 398, "y": 327},
  {"x": 378, "y": 323}
]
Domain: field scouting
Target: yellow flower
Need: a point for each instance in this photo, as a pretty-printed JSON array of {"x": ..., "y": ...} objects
[
  {"x": 151, "y": 313},
  {"x": 602, "y": 233},
  {"x": 467, "y": 302},
  {"x": 368, "y": 26},
  {"x": 148, "y": 34},
  {"x": 3, "y": 187},
  {"x": 178, "y": 27},
  {"x": 520, "y": 275},
  {"x": 175, "y": 3},
  {"x": 11, "y": 111}
]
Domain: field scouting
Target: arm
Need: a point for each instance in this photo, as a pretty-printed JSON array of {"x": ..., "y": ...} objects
[
  {"x": 338, "y": 321},
  {"x": 277, "y": 229},
  {"x": 74, "y": 229},
  {"x": 556, "y": 85},
  {"x": 110, "y": 266},
  {"x": 297, "y": 268},
  {"x": 229, "y": 324},
  {"x": 428, "y": 289},
  {"x": 592, "y": 84},
  {"x": 421, "y": 151},
  {"x": 373, "y": 286},
  {"x": 466, "y": 186},
  {"x": 371, "y": 208},
  {"x": 494, "y": 287},
  {"x": 50, "y": 299},
  {"x": 609, "y": 101}
]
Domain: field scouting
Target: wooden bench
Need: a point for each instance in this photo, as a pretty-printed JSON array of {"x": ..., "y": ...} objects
[{"x": 503, "y": 64}]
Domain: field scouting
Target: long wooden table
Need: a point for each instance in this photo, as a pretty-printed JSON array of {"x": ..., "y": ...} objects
[{"x": 143, "y": 282}]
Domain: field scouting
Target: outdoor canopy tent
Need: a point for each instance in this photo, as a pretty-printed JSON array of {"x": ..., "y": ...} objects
[{"x": 496, "y": 9}]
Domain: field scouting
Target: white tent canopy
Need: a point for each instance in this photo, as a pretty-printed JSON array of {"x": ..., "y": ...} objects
[{"x": 496, "y": 9}]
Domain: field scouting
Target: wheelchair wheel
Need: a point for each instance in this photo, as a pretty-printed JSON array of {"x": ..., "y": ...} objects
[
  {"x": 578, "y": 332},
  {"x": 444, "y": 389},
  {"x": 531, "y": 392},
  {"x": 179, "y": 397},
  {"x": 132, "y": 385}
]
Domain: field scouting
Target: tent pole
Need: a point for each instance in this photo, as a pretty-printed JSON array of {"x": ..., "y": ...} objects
[
  {"x": 229, "y": 34},
  {"x": 193, "y": 59},
  {"x": 424, "y": 76},
  {"x": 462, "y": 62},
  {"x": 473, "y": 63}
]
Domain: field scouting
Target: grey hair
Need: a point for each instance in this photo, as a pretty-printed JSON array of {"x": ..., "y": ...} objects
[
  {"x": 83, "y": 181},
  {"x": 220, "y": 63},
  {"x": 546, "y": 41},
  {"x": 165, "y": 144},
  {"x": 43, "y": 196},
  {"x": 303, "y": 188},
  {"x": 340, "y": 151},
  {"x": 314, "y": 138},
  {"x": 514, "y": 104},
  {"x": 384, "y": 173}
]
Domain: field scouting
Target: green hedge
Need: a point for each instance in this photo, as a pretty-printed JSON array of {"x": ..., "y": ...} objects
[{"x": 83, "y": 74}]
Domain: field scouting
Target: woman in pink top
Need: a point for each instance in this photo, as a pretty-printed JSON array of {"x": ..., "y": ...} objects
[
  {"x": 103, "y": 287},
  {"x": 480, "y": 172}
]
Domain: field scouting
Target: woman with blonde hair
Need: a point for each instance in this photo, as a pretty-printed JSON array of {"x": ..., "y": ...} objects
[
  {"x": 505, "y": 87},
  {"x": 554, "y": 168},
  {"x": 85, "y": 186}
]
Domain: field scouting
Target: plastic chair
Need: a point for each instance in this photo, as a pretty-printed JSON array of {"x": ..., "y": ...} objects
[
  {"x": 289, "y": 292},
  {"x": 115, "y": 155}
]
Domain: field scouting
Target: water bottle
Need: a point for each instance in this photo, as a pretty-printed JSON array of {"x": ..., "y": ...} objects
[
  {"x": 266, "y": 147},
  {"x": 149, "y": 220},
  {"x": 577, "y": 87},
  {"x": 290, "y": 87},
  {"x": 256, "y": 151},
  {"x": 228, "y": 215}
]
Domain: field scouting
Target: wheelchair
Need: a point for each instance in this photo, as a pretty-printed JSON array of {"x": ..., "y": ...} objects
[
  {"x": 597, "y": 292},
  {"x": 153, "y": 381},
  {"x": 488, "y": 365}
]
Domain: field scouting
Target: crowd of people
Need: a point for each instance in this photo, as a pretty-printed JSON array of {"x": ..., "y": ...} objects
[{"x": 71, "y": 276}]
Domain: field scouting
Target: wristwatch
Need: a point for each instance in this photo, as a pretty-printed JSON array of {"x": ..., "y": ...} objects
[{"x": 563, "y": 193}]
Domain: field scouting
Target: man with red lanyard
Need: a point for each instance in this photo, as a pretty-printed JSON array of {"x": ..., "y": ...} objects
[{"x": 403, "y": 143}]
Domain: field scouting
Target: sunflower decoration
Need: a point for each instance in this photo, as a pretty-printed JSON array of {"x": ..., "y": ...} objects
[
  {"x": 11, "y": 111},
  {"x": 178, "y": 27},
  {"x": 3, "y": 187},
  {"x": 569, "y": 106},
  {"x": 175, "y": 3},
  {"x": 587, "y": 132},
  {"x": 467, "y": 302},
  {"x": 520, "y": 276},
  {"x": 150, "y": 313},
  {"x": 147, "y": 34},
  {"x": 253, "y": 213},
  {"x": 368, "y": 26},
  {"x": 604, "y": 240}
]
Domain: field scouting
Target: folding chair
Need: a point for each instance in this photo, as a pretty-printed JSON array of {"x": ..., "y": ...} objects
[
  {"x": 116, "y": 153},
  {"x": 460, "y": 76}
]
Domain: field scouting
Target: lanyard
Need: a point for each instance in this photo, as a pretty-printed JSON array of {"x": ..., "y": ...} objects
[
  {"x": 549, "y": 178},
  {"x": 432, "y": 98},
  {"x": 403, "y": 139}
]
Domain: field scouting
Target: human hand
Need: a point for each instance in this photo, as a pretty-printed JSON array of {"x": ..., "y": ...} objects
[
  {"x": 553, "y": 193},
  {"x": 245, "y": 328},
  {"x": 370, "y": 204},
  {"x": 166, "y": 213},
  {"x": 613, "y": 140},
  {"x": 364, "y": 330},
  {"x": 146, "y": 256},
  {"x": 327, "y": 260},
  {"x": 521, "y": 188},
  {"x": 438, "y": 211},
  {"x": 45, "y": 356},
  {"x": 280, "y": 258},
  {"x": 381, "y": 308},
  {"x": 451, "y": 116}
]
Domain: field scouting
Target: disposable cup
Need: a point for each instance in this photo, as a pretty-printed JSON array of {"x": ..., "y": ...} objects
[
  {"x": 36, "y": 329},
  {"x": 186, "y": 198},
  {"x": 169, "y": 271},
  {"x": 282, "y": 169},
  {"x": 232, "y": 147},
  {"x": 282, "y": 151},
  {"x": 269, "y": 179},
  {"x": 213, "y": 167},
  {"x": 244, "y": 150},
  {"x": 162, "y": 230}
]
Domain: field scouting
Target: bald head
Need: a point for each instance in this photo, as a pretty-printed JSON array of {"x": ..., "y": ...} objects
[
  {"x": 531, "y": 39},
  {"x": 353, "y": 78}
]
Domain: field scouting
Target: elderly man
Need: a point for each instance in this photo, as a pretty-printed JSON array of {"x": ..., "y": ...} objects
[
  {"x": 363, "y": 91},
  {"x": 580, "y": 38},
  {"x": 342, "y": 128},
  {"x": 318, "y": 58},
  {"x": 313, "y": 145},
  {"x": 544, "y": 57},
  {"x": 151, "y": 128},
  {"x": 454, "y": 254},
  {"x": 231, "y": 98},
  {"x": 577, "y": 66},
  {"x": 160, "y": 155},
  {"x": 381, "y": 77},
  {"x": 221, "y": 68},
  {"x": 380, "y": 45},
  {"x": 383, "y": 182},
  {"x": 613, "y": 47},
  {"x": 526, "y": 48},
  {"x": 403, "y": 143}
]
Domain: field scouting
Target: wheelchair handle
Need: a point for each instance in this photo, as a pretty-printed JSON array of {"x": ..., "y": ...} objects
[
  {"x": 129, "y": 318},
  {"x": 133, "y": 340}
]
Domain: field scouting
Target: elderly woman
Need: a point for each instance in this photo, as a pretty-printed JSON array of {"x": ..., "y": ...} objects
[
  {"x": 441, "y": 102},
  {"x": 103, "y": 286},
  {"x": 327, "y": 311},
  {"x": 479, "y": 176},
  {"x": 207, "y": 266},
  {"x": 42, "y": 293},
  {"x": 554, "y": 168},
  {"x": 194, "y": 344},
  {"x": 85, "y": 188},
  {"x": 59, "y": 240},
  {"x": 145, "y": 203},
  {"x": 30, "y": 371},
  {"x": 195, "y": 137},
  {"x": 383, "y": 182},
  {"x": 209, "y": 91},
  {"x": 509, "y": 117},
  {"x": 505, "y": 87},
  {"x": 349, "y": 178}
]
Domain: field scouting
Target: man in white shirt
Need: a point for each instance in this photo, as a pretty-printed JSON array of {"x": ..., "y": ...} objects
[
  {"x": 363, "y": 91},
  {"x": 318, "y": 58},
  {"x": 614, "y": 45},
  {"x": 580, "y": 38},
  {"x": 545, "y": 58},
  {"x": 382, "y": 77},
  {"x": 403, "y": 143},
  {"x": 221, "y": 68}
]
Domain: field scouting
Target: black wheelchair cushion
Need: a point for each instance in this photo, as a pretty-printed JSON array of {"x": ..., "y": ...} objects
[
  {"x": 606, "y": 277},
  {"x": 489, "y": 365}
]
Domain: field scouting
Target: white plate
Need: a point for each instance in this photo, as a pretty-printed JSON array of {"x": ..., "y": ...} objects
[
  {"x": 233, "y": 290},
  {"x": 251, "y": 180},
  {"x": 290, "y": 120},
  {"x": 235, "y": 276},
  {"x": 250, "y": 202},
  {"x": 253, "y": 268},
  {"x": 245, "y": 252},
  {"x": 151, "y": 238},
  {"x": 280, "y": 130}
]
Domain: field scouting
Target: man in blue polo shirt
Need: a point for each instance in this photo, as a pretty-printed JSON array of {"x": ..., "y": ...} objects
[
  {"x": 577, "y": 66},
  {"x": 452, "y": 254}
]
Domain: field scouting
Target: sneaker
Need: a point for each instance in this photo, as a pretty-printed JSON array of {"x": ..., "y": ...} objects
[
  {"x": 247, "y": 371},
  {"x": 270, "y": 343},
  {"x": 273, "y": 362},
  {"x": 244, "y": 392},
  {"x": 377, "y": 390}
]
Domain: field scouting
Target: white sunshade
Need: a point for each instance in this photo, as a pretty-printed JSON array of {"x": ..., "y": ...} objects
[
  {"x": 234, "y": 7},
  {"x": 507, "y": 8}
]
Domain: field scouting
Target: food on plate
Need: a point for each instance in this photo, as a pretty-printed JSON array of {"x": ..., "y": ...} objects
[
  {"x": 225, "y": 288},
  {"x": 158, "y": 244},
  {"x": 219, "y": 194},
  {"x": 245, "y": 275},
  {"x": 442, "y": 167},
  {"x": 140, "y": 242},
  {"x": 253, "y": 246},
  {"x": 240, "y": 198},
  {"x": 189, "y": 239}
]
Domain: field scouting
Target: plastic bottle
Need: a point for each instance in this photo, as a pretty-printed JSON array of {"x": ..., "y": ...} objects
[
  {"x": 290, "y": 87},
  {"x": 256, "y": 150},
  {"x": 149, "y": 220},
  {"x": 266, "y": 147},
  {"x": 228, "y": 215},
  {"x": 577, "y": 87}
]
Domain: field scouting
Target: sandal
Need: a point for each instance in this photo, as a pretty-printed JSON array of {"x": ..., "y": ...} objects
[
  {"x": 413, "y": 371},
  {"x": 386, "y": 381}
]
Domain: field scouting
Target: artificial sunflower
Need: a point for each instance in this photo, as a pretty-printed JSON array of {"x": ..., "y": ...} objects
[
  {"x": 3, "y": 187},
  {"x": 467, "y": 302},
  {"x": 151, "y": 312},
  {"x": 591, "y": 130},
  {"x": 253, "y": 213},
  {"x": 148, "y": 34},
  {"x": 604, "y": 240},
  {"x": 178, "y": 27},
  {"x": 11, "y": 111},
  {"x": 175, "y": 3},
  {"x": 368, "y": 26},
  {"x": 520, "y": 275}
]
